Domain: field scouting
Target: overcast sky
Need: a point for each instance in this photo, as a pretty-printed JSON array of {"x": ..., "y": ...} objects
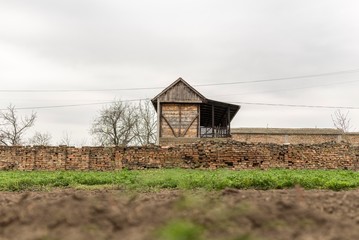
[{"x": 114, "y": 44}]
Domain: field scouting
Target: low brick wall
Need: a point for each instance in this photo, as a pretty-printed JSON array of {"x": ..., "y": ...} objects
[
  {"x": 352, "y": 138},
  {"x": 287, "y": 138},
  {"x": 205, "y": 155},
  {"x": 293, "y": 135}
]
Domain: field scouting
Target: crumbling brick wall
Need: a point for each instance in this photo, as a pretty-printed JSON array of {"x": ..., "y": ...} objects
[
  {"x": 293, "y": 136},
  {"x": 205, "y": 155},
  {"x": 289, "y": 138}
]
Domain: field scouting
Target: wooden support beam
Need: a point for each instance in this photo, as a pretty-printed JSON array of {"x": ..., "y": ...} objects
[
  {"x": 158, "y": 121},
  {"x": 180, "y": 119},
  {"x": 229, "y": 122},
  {"x": 212, "y": 120},
  {"x": 168, "y": 123},
  {"x": 199, "y": 121},
  {"x": 194, "y": 119}
]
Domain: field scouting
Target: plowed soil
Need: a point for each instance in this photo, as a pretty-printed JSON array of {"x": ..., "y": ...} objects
[{"x": 228, "y": 214}]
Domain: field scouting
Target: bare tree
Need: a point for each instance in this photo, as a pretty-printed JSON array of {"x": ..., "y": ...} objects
[
  {"x": 41, "y": 139},
  {"x": 66, "y": 139},
  {"x": 114, "y": 125},
  {"x": 82, "y": 142},
  {"x": 13, "y": 127},
  {"x": 146, "y": 125},
  {"x": 342, "y": 121}
]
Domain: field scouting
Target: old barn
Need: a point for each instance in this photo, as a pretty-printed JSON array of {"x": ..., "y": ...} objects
[{"x": 185, "y": 115}]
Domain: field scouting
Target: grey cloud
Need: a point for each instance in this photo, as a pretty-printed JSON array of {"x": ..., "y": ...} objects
[{"x": 119, "y": 44}]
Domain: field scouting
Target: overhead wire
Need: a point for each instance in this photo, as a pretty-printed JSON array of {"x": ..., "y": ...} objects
[
  {"x": 283, "y": 78},
  {"x": 234, "y": 102},
  {"x": 198, "y": 85},
  {"x": 195, "y": 85},
  {"x": 296, "y": 105},
  {"x": 287, "y": 89},
  {"x": 75, "y": 105}
]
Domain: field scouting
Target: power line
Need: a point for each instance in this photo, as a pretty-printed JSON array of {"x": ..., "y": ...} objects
[
  {"x": 256, "y": 92},
  {"x": 288, "y": 89},
  {"x": 281, "y": 79},
  {"x": 74, "y": 105},
  {"x": 296, "y": 105},
  {"x": 238, "y": 94},
  {"x": 143, "y": 99},
  {"x": 80, "y": 90},
  {"x": 195, "y": 85}
]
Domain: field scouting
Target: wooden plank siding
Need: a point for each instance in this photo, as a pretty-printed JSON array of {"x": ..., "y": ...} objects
[
  {"x": 180, "y": 93},
  {"x": 179, "y": 120}
]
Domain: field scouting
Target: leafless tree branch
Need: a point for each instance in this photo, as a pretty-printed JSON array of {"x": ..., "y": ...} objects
[
  {"x": 146, "y": 126},
  {"x": 114, "y": 125},
  {"x": 342, "y": 121},
  {"x": 122, "y": 124},
  {"x": 41, "y": 139},
  {"x": 66, "y": 139},
  {"x": 13, "y": 127}
]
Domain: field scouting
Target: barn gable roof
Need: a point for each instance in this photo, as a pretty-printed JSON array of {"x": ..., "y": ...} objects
[{"x": 179, "y": 91}]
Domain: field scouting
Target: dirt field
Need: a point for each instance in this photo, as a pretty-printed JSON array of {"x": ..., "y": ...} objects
[{"x": 169, "y": 214}]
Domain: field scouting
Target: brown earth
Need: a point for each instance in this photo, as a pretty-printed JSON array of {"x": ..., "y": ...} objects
[{"x": 228, "y": 214}]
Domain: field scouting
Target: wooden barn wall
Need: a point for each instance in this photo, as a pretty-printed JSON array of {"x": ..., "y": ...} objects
[
  {"x": 180, "y": 117},
  {"x": 180, "y": 92}
]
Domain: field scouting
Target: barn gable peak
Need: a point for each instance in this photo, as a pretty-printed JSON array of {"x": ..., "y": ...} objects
[{"x": 179, "y": 91}]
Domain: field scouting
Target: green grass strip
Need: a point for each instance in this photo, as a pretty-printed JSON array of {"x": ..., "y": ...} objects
[{"x": 182, "y": 179}]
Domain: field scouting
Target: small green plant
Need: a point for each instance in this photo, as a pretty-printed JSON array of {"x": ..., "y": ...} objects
[
  {"x": 180, "y": 230},
  {"x": 244, "y": 237}
]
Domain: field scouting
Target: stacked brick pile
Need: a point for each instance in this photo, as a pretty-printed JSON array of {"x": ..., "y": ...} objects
[{"x": 202, "y": 154}]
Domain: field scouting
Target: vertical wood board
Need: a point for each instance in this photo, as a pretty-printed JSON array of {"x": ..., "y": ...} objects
[
  {"x": 180, "y": 92},
  {"x": 180, "y": 120}
]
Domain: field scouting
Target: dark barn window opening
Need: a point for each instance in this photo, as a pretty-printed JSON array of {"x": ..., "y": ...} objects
[{"x": 216, "y": 119}]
